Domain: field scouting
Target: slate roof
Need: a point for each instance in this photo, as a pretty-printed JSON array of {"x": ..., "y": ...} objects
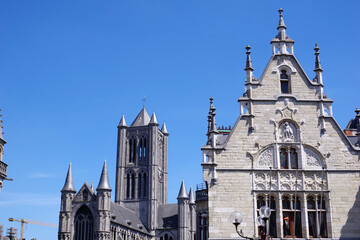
[
  {"x": 168, "y": 216},
  {"x": 123, "y": 216},
  {"x": 142, "y": 118}
]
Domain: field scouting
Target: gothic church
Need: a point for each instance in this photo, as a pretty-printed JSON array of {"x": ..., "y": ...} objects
[{"x": 140, "y": 210}]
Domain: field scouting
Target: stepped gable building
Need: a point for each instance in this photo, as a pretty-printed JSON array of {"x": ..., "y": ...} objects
[
  {"x": 286, "y": 151},
  {"x": 3, "y": 166},
  {"x": 140, "y": 210}
]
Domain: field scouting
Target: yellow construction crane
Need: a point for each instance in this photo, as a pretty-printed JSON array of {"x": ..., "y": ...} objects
[{"x": 23, "y": 221}]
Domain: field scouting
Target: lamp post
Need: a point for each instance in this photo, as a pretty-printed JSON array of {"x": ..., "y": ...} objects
[
  {"x": 236, "y": 218},
  {"x": 265, "y": 213}
]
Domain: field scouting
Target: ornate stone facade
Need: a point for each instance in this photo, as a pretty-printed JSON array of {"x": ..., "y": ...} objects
[{"x": 285, "y": 151}]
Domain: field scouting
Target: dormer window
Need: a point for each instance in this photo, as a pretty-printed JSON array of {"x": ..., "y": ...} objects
[{"x": 284, "y": 82}]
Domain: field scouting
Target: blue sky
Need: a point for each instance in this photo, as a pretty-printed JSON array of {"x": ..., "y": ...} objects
[{"x": 70, "y": 69}]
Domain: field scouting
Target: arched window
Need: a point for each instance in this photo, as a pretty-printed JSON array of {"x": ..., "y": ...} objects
[
  {"x": 291, "y": 216},
  {"x": 166, "y": 236},
  {"x": 140, "y": 185},
  {"x": 85, "y": 195},
  {"x": 288, "y": 158},
  {"x": 132, "y": 185},
  {"x": 128, "y": 186},
  {"x": 84, "y": 224},
  {"x": 284, "y": 82}
]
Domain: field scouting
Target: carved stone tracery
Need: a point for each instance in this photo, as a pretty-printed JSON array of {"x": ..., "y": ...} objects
[{"x": 266, "y": 158}]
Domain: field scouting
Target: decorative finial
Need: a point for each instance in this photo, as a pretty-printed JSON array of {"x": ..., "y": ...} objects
[
  {"x": 317, "y": 59},
  {"x": 281, "y": 20},
  {"x": 248, "y": 59},
  {"x": 357, "y": 111}
]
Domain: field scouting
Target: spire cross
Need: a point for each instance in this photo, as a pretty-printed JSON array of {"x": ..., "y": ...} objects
[{"x": 144, "y": 100}]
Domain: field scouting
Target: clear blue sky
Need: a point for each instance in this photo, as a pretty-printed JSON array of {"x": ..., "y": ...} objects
[{"x": 70, "y": 69}]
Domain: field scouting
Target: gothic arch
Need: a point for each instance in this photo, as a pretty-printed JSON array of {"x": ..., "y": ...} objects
[
  {"x": 166, "y": 236},
  {"x": 313, "y": 158},
  {"x": 130, "y": 181},
  {"x": 83, "y": 224}
]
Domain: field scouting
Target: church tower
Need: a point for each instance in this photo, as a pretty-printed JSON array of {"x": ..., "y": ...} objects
[{"x": 142, "y": 167}]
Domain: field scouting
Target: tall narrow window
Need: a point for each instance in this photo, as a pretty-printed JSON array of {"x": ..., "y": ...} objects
[
  {"x": 272, "y": 224},
  {"x": 133, "y": 185},
  {"x": 291, "y": 217},
  {"x": 144, "y": 185},
  {"x": 284, "y": 81},
  {"x": 144, "y": 150},
  {"x": 130, "y": 150},
  {"x": 316, "y": 217},
  {"x": 284, "y": 158},
  {"x": 293, "y": 158},
  {"x": 134, "y": 151},
  {"x": 288, "y": 157},
  {"x": 140, "y": 182},
  {"x": 128, "y": 186},
  {"x": 83, "y": 224},
  {"x": 141, "y": 150}
]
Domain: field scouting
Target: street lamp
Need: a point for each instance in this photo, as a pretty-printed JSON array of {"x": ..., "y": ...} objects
[
  {"x": 236, "y": 218},
  {"x": 265, "y": 213}
]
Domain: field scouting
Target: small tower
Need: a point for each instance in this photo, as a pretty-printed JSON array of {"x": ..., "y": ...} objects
[
  {"x": 103, "y": 206},
  {"x": 67, "y": 196},
  {"x": 192, "y": 207},
  {"x": 183, "y": 213}
]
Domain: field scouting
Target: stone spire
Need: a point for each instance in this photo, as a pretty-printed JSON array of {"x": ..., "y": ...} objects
[
  {"x": 249, "y": 69},
  {"x": 104, "y": 183},
  {"x": 69, "y": 185},
  {"x": 182, "y": 192},
  {"x": 282, "y": 42},
  {"x": 212, "y": 130},
  {"x": 153, "y": 119},
  {"x": 122, "y": 122},
  {"x": 281, "y": 20},
  {"x": 318, "y": 70},
  {"x": 164, "y": 129},
  {"x": 191, "y": 196}
]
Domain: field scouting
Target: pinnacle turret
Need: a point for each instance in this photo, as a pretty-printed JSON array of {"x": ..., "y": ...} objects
[
  {"x": 183, "y": 192},
  {"x": 104, "y": 183},
  {"x": 122, "y": 122},
  {"x": 248, "y": 59},
  {"x": 191, "y": 196},
  {"x": 153, "y": 119},
  {"x": 282, "y": 42},
  {"x": 69, "y": 185},
  {"x": 164, "y": 129},
  {"x": 317, "y": 59}
]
